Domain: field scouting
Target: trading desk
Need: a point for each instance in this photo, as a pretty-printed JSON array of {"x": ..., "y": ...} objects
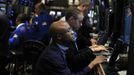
[{"x": 103, "y": 69}]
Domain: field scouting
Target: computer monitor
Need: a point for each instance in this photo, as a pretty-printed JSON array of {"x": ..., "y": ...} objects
[
  {"x": 52, "y": 13},
  {"x": 91, "y": 13},
  {"x": 59, "y": 13},
  {"x": 3, "y": 8},
  {"x": 3, "y": 0}
]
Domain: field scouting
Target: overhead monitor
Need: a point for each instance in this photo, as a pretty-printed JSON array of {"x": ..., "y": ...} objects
[
  {"x": 52, "y": 13},
  {"x": 91, "y": 13},
  {"x": 59, "y": 13},
  {"x": 3, "y": 8},
  {"x": 58, "y": 3},
  {"x": 2, "y": 0}
]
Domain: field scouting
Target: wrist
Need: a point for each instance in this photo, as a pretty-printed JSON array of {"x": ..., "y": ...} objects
[{"x": 91, "y": 65}]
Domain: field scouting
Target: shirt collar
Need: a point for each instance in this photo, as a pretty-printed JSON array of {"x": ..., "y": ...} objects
[
  {"x": 64, "y": 48},
  {"x": 63, "y": 19},
  {"x": 19, "y": 25}
]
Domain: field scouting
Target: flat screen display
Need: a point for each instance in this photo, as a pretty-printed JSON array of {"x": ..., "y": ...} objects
[
  {"x": 52, "y": 13},
  {"x": 2, "y": 0},
  {"x": 3, "y": 8}
]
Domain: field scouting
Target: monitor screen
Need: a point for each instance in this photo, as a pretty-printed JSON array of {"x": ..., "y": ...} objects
[
  {"x": 3, "y": 8},
  {"x": 59, "y": 13},
  {"x": 58, "y": 3},
  {"x": 91, "y": 13},
  {"x": 2, "y": 0},
  {"x": 52, "y": 13}
]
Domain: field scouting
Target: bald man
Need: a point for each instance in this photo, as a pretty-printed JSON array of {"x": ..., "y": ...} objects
[{"x": 53, "y": 59}]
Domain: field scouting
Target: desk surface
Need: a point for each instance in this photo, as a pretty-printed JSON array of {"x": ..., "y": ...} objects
[
  {"x": 107, "y": 70},
  {"x": 104, "y": 68}
]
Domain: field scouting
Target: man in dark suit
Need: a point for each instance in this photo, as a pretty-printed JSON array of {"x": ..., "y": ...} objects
[
  {"x": 78, "y": 56},
  {"x": 4, "y": 52},
  {"x": 53, "y": 59}
]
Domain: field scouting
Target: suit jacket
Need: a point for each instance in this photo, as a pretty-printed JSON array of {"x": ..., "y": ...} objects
[
  {"x": 40, "y": 26},
  {"x": 19, "y": 35},
  {"x": 53, "y": 62},
  {"x": 83, "y": 39},
  {"x": 4, "y": 35},
  {"x": 78, "y": 59}
]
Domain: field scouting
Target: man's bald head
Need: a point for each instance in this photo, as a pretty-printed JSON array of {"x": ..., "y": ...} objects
[
  {"x": 61, "y": 32},
  {"x": 58, "y": 27}
]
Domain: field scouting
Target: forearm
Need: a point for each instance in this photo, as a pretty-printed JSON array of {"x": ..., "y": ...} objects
[
  {"x": 91, "y": 65},
  {"x": 78, "y": 61}
]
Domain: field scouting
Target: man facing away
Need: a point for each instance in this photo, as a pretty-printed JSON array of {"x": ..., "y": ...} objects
[
  {"x": 4, "y": 52},
  {"x": 41, "y": 22}
]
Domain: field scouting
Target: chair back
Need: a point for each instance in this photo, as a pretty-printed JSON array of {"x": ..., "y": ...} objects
[{"x": 32, "y": 49}]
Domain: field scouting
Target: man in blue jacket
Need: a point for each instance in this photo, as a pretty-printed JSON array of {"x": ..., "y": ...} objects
[
  {"x": 20, "y": 34},
  {"x": 40, "y": 24}
]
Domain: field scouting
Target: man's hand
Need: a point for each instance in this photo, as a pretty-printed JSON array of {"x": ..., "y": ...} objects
[
  {"x": 96, "y": 48},
  {"x": 93, "y": 42},
  {"x": 97, "y": 60}
]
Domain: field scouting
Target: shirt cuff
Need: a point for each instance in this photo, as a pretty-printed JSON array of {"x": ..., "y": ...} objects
[{"x": 86, "y": 69}]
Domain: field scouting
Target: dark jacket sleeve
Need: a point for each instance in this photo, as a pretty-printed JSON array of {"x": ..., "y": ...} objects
[
  {"x": 83, "y": 36},
  {"x": 79, "y": 60},
  {"x": 82, "y": 41},
  {"x": 4, "y": 35},
  {"x": 86, "y": 27},
  {"x": 51, "y": 62}
]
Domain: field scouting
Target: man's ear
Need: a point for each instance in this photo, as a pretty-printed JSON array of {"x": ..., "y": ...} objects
[
  {"x": 71, "y": 19},
  {"x": 59, "y": 36}
]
